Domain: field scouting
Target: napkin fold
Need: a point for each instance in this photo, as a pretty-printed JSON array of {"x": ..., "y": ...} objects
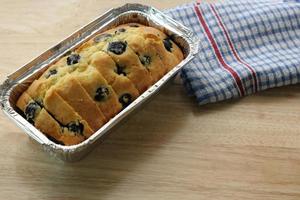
[{"x": 245, "y": 47}]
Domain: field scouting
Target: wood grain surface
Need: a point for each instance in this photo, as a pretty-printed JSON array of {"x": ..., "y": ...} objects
[{"x": 170, "y": 149}]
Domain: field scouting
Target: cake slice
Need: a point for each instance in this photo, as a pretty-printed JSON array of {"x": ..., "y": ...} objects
[
  {"x": 75, "y": 95},
  {"x": 128, "y": 63},
  {"x": 43, "y": 121},
  {"x": 65, "y": 114},
  {"x": 170, "y": 53},
  {"x": 120, "y": 83},
  {"x": 144, "y": 49},
  {"x": 99, "y": 90},
  {"x": 126, "y": 92}
]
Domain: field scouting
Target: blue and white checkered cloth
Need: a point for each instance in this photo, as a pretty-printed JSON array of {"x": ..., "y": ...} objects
[{"x": 245, "y": 47}]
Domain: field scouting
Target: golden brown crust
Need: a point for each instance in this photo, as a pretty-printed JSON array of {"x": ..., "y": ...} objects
[
  {"x": 130, "y": 65},
  {"x": 122, "y": 86},
  {"x": 107, "y": 67},
  {"x": 47, "y": 124},
  {"x": 75, "y": 95},
  {"x": 69, "y": 139},
  {"x": 63, "y": 112},
  {"x": 38, "y": 89},
  {"x": 53, "y": 129},
  {"x": 23, "y": 100},
  {"x": 145, "y": 50},
  {"x": 150, "y": 31},
  {"x": 99, "y": 90}
]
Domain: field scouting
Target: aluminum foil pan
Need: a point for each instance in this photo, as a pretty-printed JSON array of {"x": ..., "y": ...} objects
[{"x": 18, "y": 81}]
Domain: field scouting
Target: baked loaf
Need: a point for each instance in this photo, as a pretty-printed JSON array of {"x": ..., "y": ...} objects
[{"x": 79, "y": 93}]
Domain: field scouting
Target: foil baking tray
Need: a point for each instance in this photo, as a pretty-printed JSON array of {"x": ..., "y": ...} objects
[{"x": 18, "y": 81}]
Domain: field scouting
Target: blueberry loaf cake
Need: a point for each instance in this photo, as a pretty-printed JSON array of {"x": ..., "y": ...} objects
[{"x": 83, "y": 90}]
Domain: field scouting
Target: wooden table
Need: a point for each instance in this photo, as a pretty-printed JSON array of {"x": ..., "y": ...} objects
[{"x": 171, "y": 149}]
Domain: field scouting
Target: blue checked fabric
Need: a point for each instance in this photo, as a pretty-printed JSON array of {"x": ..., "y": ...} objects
[{"x": 245, "y": 47}]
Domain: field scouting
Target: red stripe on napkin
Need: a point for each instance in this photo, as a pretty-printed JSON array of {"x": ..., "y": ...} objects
[
  {"x": 234, "y": 50},
  {"x": 218, "y": 53}
]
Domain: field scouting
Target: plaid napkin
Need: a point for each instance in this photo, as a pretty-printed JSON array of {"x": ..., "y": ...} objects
[{"x": 245, "y": 47}]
